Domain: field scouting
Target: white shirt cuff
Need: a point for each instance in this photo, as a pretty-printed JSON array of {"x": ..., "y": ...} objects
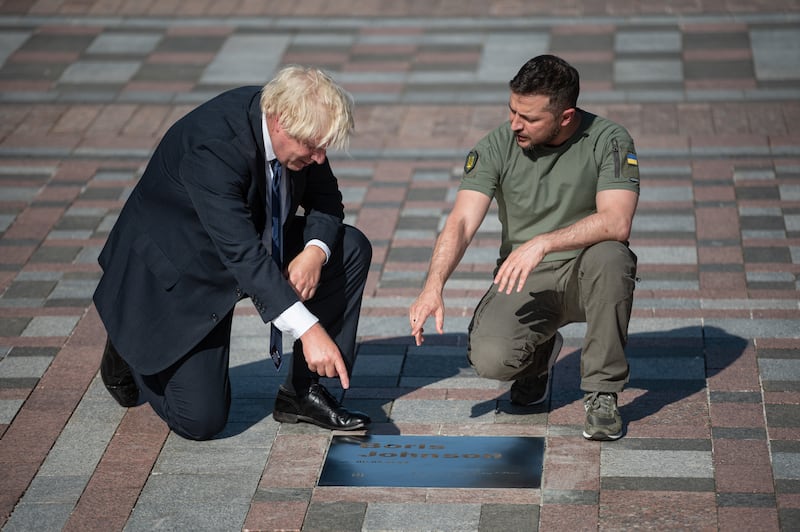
[
  {"x": 322, "y": 245},
  {"x": 295, "y": 320}
]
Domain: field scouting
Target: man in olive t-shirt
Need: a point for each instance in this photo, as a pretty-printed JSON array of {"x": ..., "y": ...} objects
[{"x": 567, "y": 184}]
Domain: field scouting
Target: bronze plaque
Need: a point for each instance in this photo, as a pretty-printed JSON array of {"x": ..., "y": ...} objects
[{"x": 434, "y": 461}]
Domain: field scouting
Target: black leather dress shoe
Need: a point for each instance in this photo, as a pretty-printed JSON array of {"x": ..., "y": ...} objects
[
  {"x": 318, "y": 407},
  {"x": 117, "y": 377}
]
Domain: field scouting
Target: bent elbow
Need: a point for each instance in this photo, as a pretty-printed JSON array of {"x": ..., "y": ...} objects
[{"x": 622, "y": 232}]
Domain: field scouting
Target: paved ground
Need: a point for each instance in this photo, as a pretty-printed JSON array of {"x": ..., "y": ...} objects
[{"x": 710, "y": 91}]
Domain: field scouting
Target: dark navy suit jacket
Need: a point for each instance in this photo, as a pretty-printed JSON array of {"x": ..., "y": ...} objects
[{"x": 187, "y": 244}]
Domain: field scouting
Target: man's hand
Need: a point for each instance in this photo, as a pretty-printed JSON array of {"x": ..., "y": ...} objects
[
  {"x": 429, "y": 302},
  {"x": 323, "y": 356},
  {"x": 518, "y": 265},
  {"x": 305, "y": 270}
]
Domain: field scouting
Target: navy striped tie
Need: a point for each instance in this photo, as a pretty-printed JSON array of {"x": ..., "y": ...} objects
[{"x": 276, "y": 337}]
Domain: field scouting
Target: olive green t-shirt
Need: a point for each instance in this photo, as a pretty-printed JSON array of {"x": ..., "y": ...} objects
[{"x": 547, "y": 188}]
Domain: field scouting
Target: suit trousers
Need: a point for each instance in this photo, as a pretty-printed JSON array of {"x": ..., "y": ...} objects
[
  {"x": 596, "y": 287},
  {"x": 193, "y": 396}
]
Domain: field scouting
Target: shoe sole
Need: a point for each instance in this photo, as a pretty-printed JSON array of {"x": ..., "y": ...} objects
[
  {"x": 550, "y": 363},
  {"x": 600, "y": 436},
  {"x": 285, "y": 417}
]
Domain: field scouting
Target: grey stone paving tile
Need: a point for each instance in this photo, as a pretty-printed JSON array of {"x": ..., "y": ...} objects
[
  {"x": 789, "y": 192},
  {"x": 658, "y": 41},
  {"x": 473, "y": 383},
  {"x": 169, "y": 72},
  {"x": 642, "y": 302},
  {"x": 648, "y": 70},
  {"x": 340, "y": 515},
  {"x": 18, "y": 193},
  {"x": 735, "y": 397},
  {"x": 166, "y": 507},
  {"x": 748, "y": 304},
  {"x": 9, "y": 407},
  {"x": 51, "y": 326},
  {"x": 12, "y": 367},
  {"x": 658, "y": 464},
  {"x": 776, "y": 54},
  {"x": 655, "y": 328},
  {"x": 745, "y": 174},
  {"x": 756, "y": 328},
  {"x": 6, "y": 220},
  {"x": 99, "y": 72},
  {"x": 678, "y": 368},
  {"x": 715, "y": 69},
  {"x": 124, "y": 43},
  {"x": 417, "y": 234},
  {"x": 459, "y": 348},
  {"x": 662, "y": 194},
  {"x": 11, "y": 323},
  {"x": 389, "y": 327},
  {"x": 657, "y": 484},
  {"x": 34, "y": 516},
  {"x": 746, "y": 500},
  {"x": 509, "y": 518},
  {"x": 10, "y": 41},
  {"x": 78, "y": 450},
  {"x": 372, "y": 365},
  {"x": 504, "y": 53},
  {"x": 88, "y": 254},
  {"x": 282, "y": 494},
  {"x": 440, "y": 366},
  {"x": 417, "y": 516},
  {"x": 773, "y": 277},
  {"x": 246, "y": 59},
  {"x": 32, "y": 351},
  {"x": 783, "y": 415},
  {"x": 55, "y": 254},
  {"x": 786, "y": 465},
  {"x": 551, "y": 496},
  {"x": 55, "y": 490},
  {"x": 70, "y": 235},
  {"x": 665, "y": 222},
  {"x": 737, "y": 433},
  {"x": 33, "y": 289},
  {"x": 203, "y": 458},
  {"x": 481, "y": 255},
  {"x": 430, "y": 411},
  {"x": 666, "y": 254},
  {"x": 575, "y": 42}
]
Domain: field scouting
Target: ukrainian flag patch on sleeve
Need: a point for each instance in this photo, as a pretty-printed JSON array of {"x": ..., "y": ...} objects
[{"x": 632, "y": 160}]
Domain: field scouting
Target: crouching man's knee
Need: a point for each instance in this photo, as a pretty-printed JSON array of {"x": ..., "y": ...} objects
[{"x": 497, "y": 358}]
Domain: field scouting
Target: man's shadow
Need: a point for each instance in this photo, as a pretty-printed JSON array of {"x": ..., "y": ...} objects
[{"x": 666, "y": 367}]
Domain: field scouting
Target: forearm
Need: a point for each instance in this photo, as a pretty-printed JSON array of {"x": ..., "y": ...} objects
[
  {"x": 447, "y": 253},
  {"x": 583, "y": 233}
]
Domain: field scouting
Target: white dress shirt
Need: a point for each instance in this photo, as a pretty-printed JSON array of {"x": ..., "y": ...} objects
[{"x": 297, "y": 319}]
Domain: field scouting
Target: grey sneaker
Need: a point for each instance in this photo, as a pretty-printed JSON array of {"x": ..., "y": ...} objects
[
  {"x": 533, "y": 390},
  {"x": 603, "y": 421}
]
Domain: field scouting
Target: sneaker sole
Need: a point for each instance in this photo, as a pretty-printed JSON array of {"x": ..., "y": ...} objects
[
  {"x": 557, "y": 344},
  {"x": 600, "y": 436}
]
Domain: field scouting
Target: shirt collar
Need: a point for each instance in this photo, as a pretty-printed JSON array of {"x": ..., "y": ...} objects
[{"x": 269, "y": 153}]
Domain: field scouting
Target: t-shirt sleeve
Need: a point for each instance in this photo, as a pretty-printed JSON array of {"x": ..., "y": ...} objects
[
  {"x": 481, "y": 169},
  {"x": 619, "y": 166}
]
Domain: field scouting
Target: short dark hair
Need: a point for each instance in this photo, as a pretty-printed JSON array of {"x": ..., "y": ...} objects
[{"x": 550, "y": 76}]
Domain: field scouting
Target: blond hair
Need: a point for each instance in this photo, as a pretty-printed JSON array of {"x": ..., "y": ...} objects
[{"x": 311, "y": 107}]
